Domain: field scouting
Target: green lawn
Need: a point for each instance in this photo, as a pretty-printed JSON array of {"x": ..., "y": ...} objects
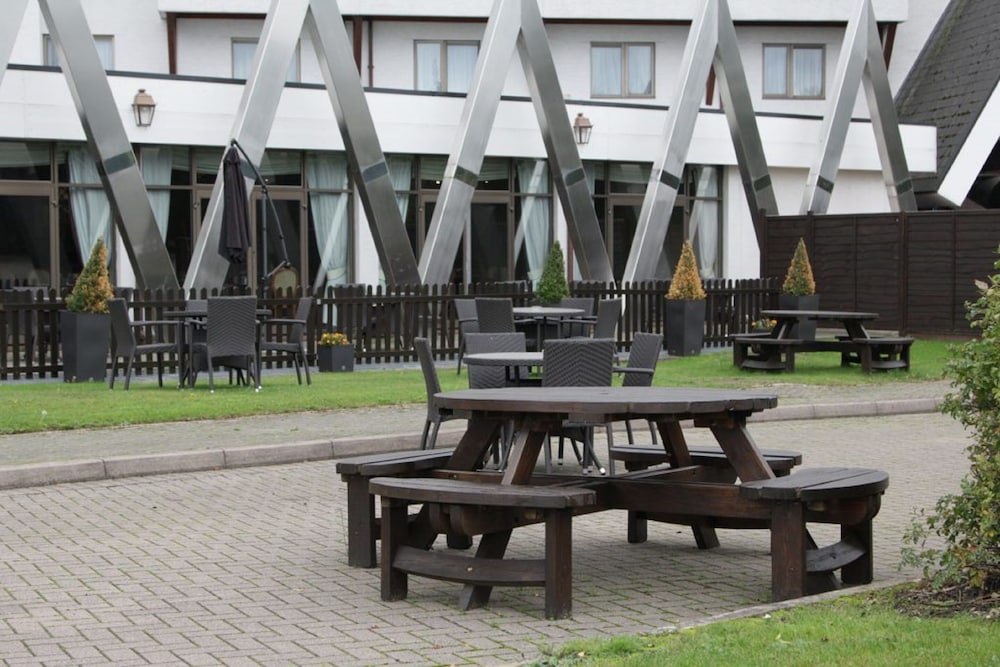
[
  {"x": 857, "y": 630},
  {"x": 36, "y": 406}
]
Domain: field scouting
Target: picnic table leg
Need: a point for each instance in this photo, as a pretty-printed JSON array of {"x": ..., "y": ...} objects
[
  {"x": 360, "y": 524},
  {"x": 491, "y": 545},
  {"x": 789, "y": 541},
  {"x": 394, "y": 535},
  {"x": 559, "y": 564},
  {"x": 676, "y": 447}
]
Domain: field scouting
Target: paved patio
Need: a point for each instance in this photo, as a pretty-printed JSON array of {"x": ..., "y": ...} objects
[{"x": 248, "y": 565}]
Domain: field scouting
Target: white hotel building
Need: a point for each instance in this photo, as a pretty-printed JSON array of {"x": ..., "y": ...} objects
[{"x": 618, "y": 63}]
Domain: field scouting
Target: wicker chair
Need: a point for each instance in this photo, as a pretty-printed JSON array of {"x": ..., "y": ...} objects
[
  {"x": 158, "y": 337},
  {"x": 435, "y": 414},
  {"x": 577, "y": 362},
  {"x": 231, "y": 333},
  {"x": 468, "y": 323},
  {"x": 638, "y": 372},
  {"x": 288, "y": 337}
]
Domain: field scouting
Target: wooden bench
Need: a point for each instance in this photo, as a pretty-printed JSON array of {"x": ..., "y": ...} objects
[
  {"x": 458, "y": 506},
  {"x": 850, "y": 497},
  {"x": 639, "y": 457},
  {"x": 357, "y": 471},
  {"x": 762, "y": 352},
  {"x": 880, "y": 353}
]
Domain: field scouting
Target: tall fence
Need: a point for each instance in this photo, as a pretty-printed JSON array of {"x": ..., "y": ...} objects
[
  {"x": 916, "y": 270},
  {"x": 381, "y": 323}
]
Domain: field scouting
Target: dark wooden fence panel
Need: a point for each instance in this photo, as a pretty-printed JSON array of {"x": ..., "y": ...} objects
[
  {"x": 916, "y": 270},
  {"x": 381, "y": 323}
]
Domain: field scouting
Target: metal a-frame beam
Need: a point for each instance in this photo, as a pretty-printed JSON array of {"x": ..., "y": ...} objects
[
  {"x": 861, "y": 63},
  {"x": 513, "y": 22},
  {"x": 13, "y": 15},
  {"x": 712, "y": 39},
  {"x": 108, "y": 142},
  {"x": 255, "y": 117}
]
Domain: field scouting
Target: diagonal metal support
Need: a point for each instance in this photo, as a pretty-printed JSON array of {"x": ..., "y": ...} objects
[
  {"x": 364, "y": 153},
  {"x": 13, "y": 15},
  {"x": 251, "y": 126},
  {"x": 861, "y": 62},
  {"x": 109, "y": 144},
  {"x": 255, "y": 116},
  {"x": 513, "y": 23},
  {"x": 712, "y": 38}
]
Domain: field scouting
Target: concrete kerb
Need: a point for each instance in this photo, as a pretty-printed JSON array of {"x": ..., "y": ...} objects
[{"x": 40, "y": 474}]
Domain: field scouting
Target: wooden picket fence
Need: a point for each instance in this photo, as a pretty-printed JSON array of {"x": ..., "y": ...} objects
[{"x": 380, "y": 322}]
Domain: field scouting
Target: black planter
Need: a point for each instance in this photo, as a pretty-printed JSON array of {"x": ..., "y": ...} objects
[
  {"x": 685, "y": 327},
  {"x": 335, "y": 358},
  {"x": 85, "y": 340},
  {"x": 805, "y": 329}
]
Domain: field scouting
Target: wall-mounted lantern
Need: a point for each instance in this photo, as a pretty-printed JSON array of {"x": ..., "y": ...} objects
[
  {"x": 143, "y": 106},
  {"x": 581, "y": 129}
]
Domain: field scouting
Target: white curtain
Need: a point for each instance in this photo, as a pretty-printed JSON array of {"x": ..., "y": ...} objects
[
  {"x": 400, "y": 175},
  {"x": 91, "y": 208},
  {"x": 533, "y": 227},
  {"x": 775, "y": 70},
  {"x": 606, "y": 70},
  {"x": 329, "y": 211},
  {"x": 428, "y": 66},
  {"x": 640, "y": 69},
  {"x": 705, "y": 221},
  {"x": 807, "y": 72},
  {"x": 157, "y": 163},
  {"x": 461, "y": 66}
]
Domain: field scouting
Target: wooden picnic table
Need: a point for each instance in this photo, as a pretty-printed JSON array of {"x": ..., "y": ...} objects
[
  {"x": 775, "y": 350},
  {"x": 464, "y": 498}
]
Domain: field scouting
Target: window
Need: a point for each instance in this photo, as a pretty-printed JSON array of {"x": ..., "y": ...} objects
[
  {"x": 621, "y": 70},
  {"x": 105, "y": 51},
  {"x": 244, "y": 51},
  {"x": 445, "y": 66},
  {"x": 793, "y": 71}
]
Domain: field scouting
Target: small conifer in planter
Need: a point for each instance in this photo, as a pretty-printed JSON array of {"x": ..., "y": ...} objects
[
  {"x": 85, "y": 325},
  {"x": 552, "y": 286},
  {"x": 685, "y": 311},
  {"x": 798, "y": 292}
]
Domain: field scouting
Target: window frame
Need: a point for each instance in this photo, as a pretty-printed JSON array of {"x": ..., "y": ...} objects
[
  {"x": 443, "y": 45},
  {"x": 790, "y": 49},
  {"x": 623, "y": 49},
  {"x": 295, "y": 63},
  {"x": 50, "y": 55}
]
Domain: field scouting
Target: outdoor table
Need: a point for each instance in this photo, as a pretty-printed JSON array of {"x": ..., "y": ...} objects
[
  {"x": 852, "y": 322},
  {"x": 194, "y": 311},
  {"x": 512, "y": 363},
  {"x": 682, "y": 489},
  {"x": 542, "y": 315}
]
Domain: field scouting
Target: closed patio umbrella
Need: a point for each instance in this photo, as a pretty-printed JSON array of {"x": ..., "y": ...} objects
[{"x": 234, "y": 238}]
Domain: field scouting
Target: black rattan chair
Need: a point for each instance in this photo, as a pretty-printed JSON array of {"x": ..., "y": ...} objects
[
  {"x": 287, "y": 336},
  {"x": 231, "y": 333},
  {"x": 435, "y": 414},
  {"x": 130, "y": 340},
  {"x": 577, "y": 362}
]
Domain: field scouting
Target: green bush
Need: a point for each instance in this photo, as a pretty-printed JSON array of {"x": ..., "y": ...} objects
[
  {"x": 969, "y": 521},
  {"x": 552, "y": 285}
]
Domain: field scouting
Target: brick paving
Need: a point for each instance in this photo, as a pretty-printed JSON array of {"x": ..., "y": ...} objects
[{"x": 248, "y": 565}]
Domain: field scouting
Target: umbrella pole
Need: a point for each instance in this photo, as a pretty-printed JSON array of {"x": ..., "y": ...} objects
[{"x": 266, "y": 196}]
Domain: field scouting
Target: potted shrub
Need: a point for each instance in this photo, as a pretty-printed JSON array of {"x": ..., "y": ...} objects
[
  {"x": 85, "y": 325},
  {"x": 685, "y": 311},
  {"x": 798, "y": 292},
  {"x": 335, "y": 353},
  {"x": 552, "y": 286}
]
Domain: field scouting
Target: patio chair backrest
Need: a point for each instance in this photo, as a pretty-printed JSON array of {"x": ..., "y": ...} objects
[
  {"x": 584, "y": 303},
  {"x": 232, "y": 326},
  {"x": 495, "y": 315},
  {"x": 488, "y": 377},
  {"x": 422, "y": 346},
  {"x": 608, "y": 312},
  {"x": 122, "y": 336},
  {"x": 645, "y": 352},
  {"x": 578, "y": 362}
]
